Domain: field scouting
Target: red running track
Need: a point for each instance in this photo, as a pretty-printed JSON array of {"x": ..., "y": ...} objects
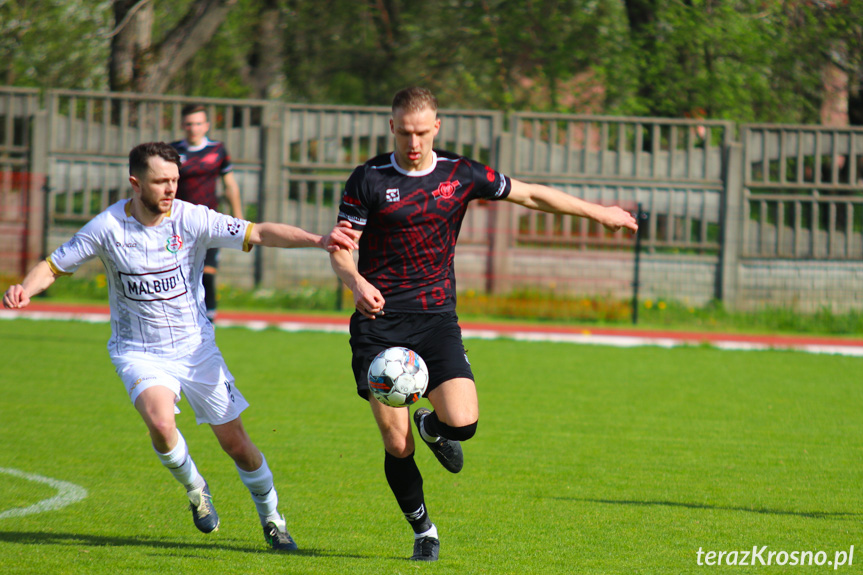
[{"x": 618, "y": 336}]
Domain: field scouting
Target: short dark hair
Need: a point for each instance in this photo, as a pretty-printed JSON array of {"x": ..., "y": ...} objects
[
  {"x": 139, "y": 157},
  {"x": 190, "y": 109},
  {"x": 414, "y": 99}
]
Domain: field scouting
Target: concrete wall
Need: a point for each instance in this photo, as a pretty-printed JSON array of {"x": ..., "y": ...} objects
[{"x": 804, "y": 286}]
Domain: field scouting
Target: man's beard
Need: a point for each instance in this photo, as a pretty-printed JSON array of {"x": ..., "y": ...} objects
[{"x": 154, "y": 207}]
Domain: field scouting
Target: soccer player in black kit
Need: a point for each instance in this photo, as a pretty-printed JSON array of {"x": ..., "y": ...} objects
[
  {"x": 203, "y": 162},
  {"x": 409, "y": 206}
]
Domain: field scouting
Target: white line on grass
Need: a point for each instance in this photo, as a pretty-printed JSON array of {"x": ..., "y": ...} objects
[{"x": 68, "y": 493}]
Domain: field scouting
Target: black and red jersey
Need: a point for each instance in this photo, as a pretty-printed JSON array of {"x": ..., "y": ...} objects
[
  {"x": 410, "y": 223},
  {"x": 200, "y": 169}
]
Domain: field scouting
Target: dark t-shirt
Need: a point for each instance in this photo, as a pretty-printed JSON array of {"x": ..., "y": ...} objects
[
  {"x": 410, "y": 223},
  {"x": 200, "y": 169}
]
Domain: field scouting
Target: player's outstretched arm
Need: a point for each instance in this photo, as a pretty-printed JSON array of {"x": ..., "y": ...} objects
[
  {"x": 543, "y": 198},
  {"x": 37, "y": 281},
  {"x": 287, "y": 236},
  {"x": 367, "y": 298},
  {"x": 342, "y": 238},
  {"x": 232, "y": 193}
]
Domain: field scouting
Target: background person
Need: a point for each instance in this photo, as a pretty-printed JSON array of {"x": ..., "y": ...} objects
[
  {"x": 203, "y": 162},
  {"x": 153, "y": 247}
]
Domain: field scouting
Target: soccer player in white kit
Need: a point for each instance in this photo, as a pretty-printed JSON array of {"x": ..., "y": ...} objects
[{"x": 153, "y": 248}]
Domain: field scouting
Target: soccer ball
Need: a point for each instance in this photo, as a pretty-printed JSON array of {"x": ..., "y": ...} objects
[{"x": 398, "y": 377}]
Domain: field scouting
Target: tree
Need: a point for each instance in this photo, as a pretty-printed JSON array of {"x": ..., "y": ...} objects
[
  {"x": 53, "y": 43},
  {"x": 140, "y": 65},
  {"x": 743, "y": 60},
  {"x": 476, "y": 53},
  {"x": 265, "y": 61},
  {"x": 244, "y": 58},
  {"x": 747, "y": 60}
]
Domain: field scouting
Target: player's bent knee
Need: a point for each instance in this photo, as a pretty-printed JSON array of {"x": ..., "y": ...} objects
[{"x": 163, "y": 434}]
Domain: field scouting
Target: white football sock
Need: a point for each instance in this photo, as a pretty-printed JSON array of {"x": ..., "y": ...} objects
[
  {"x": 430, "y": 533},
  {"x": 424, "y": 435},
  {"x": 180, "y": 464},
  {"x": 263, "y": 491}
]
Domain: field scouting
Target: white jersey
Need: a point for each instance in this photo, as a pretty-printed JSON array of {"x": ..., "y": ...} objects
[{"x": 154, "y": 273}]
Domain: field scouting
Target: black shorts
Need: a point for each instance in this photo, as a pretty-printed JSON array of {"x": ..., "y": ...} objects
[
  {"x": 436, "y": 337},
  {"x": 212, "y": 258}
]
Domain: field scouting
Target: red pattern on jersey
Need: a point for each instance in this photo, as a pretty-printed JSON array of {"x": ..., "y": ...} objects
[
  {"x": 200, "y": 172},
  {"x": 407, "y": 249}
]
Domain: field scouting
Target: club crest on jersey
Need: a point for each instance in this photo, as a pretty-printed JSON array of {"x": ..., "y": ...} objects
[
  {"x": 234, "y": 226},
  {"x": 393, "y": 195},
  {"x": 174, "y": 244},
  {"x": 446, "y": 190}
]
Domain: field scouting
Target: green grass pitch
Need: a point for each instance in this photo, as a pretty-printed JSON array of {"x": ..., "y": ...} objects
[{"x": 587, "y": 459}]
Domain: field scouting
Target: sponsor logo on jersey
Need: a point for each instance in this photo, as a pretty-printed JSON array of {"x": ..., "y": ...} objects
[
  {"x": 174, "y": 244},
  {"x": 489, "y": 174},
  {"x": 234, "y": 227},
  {"x": 446, "y": 190},
  {"x": 154, "y": 286},
  {"x": 211, "y": 160},
  {"x": 352, "y": 219},
  {"x": 352, "y": 201},
  {"x": 502, "y": 186},
  {"x": 139, "y": 381},
  {"x": 393, "y": 195},
  {"x": 72, "y": 245},
  {"x": 122, "y": 245}
]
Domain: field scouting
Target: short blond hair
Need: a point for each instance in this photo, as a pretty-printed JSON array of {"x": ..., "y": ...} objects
[{"x": 414, "y": 99}]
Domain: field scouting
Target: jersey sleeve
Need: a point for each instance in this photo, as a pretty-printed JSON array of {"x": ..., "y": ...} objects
[
  {"x": 225, "y": 165},
  {"x": 82, "y": 247},
  {"x": 489, "y": 183},
  {"x": 354, "y": 207},
  {"x": 225, "y": 231}
]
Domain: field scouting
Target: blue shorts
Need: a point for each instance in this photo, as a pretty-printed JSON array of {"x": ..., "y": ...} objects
[{"x": 436, "y": 337}]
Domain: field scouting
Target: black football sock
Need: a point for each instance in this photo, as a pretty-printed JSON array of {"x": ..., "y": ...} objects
[
  {"x": 209, "y": 281},
  {"x": 405, "y": 480},
  {"x": 434, "y": 427}
]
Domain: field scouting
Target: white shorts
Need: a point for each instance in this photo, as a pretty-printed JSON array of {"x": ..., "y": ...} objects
[{"x": 203, "y": 377}]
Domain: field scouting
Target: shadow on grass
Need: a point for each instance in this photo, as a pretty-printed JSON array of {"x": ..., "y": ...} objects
[
  {"x": 70, "y": 539},
  {"x": 759, "y": 510}
]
